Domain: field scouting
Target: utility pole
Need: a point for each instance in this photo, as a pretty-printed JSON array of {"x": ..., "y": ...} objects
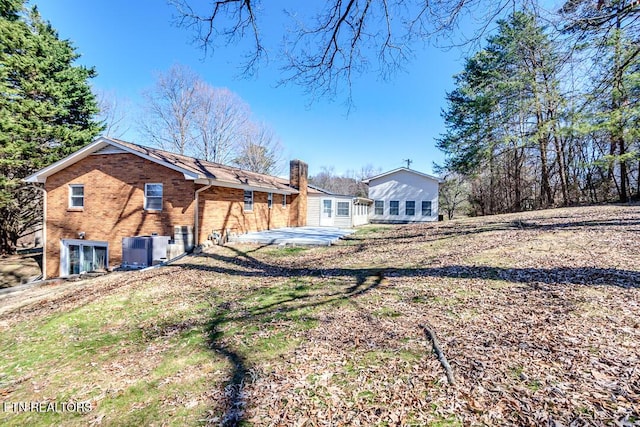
[{"x": 409, "y": 161}]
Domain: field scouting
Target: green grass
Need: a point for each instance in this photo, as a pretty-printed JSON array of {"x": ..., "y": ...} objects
[
  {"x": 286, "y": 251},
  {"x": 168, "y": 345},
  {"x": 369, "y": 229}
]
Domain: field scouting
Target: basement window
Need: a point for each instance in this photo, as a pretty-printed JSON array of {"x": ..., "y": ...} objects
[
  {"x": 76, "y": 196},
  {"x": 153, "y": 197},
  {"x": 248, "y": 200}
]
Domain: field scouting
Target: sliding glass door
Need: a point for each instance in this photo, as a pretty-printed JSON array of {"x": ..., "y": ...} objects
[{"x": 83, "y": 256}]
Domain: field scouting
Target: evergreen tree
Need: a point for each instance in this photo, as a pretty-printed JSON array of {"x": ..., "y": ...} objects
[
  {"x": 502, "y": 119},
  {"x": 47, "y": 111}
]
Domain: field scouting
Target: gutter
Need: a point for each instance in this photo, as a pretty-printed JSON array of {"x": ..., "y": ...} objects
[
  {"x": 44, "y": 230},
  {"x": 196, "y": 227}
]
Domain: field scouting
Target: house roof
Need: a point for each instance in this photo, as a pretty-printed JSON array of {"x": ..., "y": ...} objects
[
  {"x": 435, "y": 178},
  {"x": 315, "y": 190},
  {"x": 198, "y": 170}
]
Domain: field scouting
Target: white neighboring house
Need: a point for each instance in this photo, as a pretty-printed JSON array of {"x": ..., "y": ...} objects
[
  {"x": 326, "y": 209},
  {"x": 402, "y": 196}
]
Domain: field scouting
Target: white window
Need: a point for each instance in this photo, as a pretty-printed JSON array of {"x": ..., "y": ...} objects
[
  {"x": 426, "y": 208},
  {"x": 394, "y": 207},
  {"x": 410, "y": 208},
  {"x": 379, "y": 207},
  {"x": 153, "y": 197},
  {"x": 284, "y": 200},
  {"x": 76, "y": 196},
  {"x": 343, "y": 209},
  {"x": 270, "y": 200},
  {"x": 248, "y": 200}
]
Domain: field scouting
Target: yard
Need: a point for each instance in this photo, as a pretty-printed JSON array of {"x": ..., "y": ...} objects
[{"x": 538, "y": 315}]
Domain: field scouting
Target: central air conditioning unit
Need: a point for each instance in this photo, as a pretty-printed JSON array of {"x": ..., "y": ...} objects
[{"x": 144, "y": 251}]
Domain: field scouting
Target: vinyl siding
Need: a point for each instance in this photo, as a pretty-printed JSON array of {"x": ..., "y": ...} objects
[{"x": 404, "y": 186}]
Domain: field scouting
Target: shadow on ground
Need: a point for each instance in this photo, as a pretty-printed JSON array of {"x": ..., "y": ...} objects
[{"x": 360, "y": 281}]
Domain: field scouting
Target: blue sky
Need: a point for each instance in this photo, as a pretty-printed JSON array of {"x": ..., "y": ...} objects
[{"x": 128, "y": 41}]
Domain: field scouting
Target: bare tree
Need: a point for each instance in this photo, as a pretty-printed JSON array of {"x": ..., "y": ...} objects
[
  {"x": 350, "y": 183},
  {"x": 453, "y": 194},
  {"x": 185, "y": 114},
  {"x": 113, "y": 114},
  {"x": 260, "y": 150},
  {"x": 221, "y": 117},
  {"x": 342, "y": 39},
  {"x": 169, "y": 110}
]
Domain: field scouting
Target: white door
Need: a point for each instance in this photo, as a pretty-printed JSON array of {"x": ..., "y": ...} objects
[
  {"x": 81, "y": 256},
  {"x": 326, "y": 213}
]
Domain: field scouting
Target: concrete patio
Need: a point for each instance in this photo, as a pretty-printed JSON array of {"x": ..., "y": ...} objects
[{"x": 304, "y": 236}]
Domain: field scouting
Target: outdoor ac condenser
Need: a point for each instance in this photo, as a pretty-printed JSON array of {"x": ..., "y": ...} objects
[{"x": 142, "y": 251}]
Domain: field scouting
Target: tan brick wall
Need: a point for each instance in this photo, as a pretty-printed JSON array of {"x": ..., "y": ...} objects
[
  {"x": 298, "y": 179},
  {"x": 113, "y": 203},
  {"x": 223, "y": 208}
]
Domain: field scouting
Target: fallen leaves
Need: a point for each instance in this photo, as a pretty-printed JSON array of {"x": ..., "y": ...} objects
[{"x": 537, "y": 314}]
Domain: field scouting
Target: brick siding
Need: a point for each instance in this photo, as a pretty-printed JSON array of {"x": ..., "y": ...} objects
[
  {"x": 114, "y": 198},
  {"x": 113, "y": 203}
]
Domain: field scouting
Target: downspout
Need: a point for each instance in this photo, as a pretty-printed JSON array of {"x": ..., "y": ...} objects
[
  {"x": 196, "y": 240},
  {"x": 44, "y": 230}
]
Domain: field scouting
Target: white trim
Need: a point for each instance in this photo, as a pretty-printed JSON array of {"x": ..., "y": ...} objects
[
  {"x": 144, "y": 205},
  {"x": 109, "y": 149},
  {"x": 98, "y": 144},
  {"x": 197, "y": 215},
  {"x": 64, "y": 252},
  {"x": 327, "y": 218},
  {"x": 375, "y": 207},
  {"x": 44, "y": 231},
  {"x": 42, "y": 174},
  {"x": 244, "y": 203},
  {"x": 398, "y": 208},
  {"x": 422, "y": 208},
  {"x": 190, "y": 175},
  {"x": 270, "y": 200},
  {"x": 406, "y": 207},
  {"x": 71, "y": 196},
  {"x": 435, "y": 178},
  {"x": 338, "y": 209}
]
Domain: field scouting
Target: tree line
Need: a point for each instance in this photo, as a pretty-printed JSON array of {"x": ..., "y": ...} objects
[
  {"x": 184, "y": 114},
  {"x": 547, "y": 113},
  {"x": 47, "y": 111}
]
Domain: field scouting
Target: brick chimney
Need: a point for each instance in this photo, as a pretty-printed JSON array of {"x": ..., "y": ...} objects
[{"x": 298, "y": 179}]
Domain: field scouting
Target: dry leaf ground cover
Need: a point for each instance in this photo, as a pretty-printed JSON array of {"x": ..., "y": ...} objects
[{"x": 537, "y": 313}]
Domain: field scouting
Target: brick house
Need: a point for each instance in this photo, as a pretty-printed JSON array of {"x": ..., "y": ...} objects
[{"x": 112, "y": 189}]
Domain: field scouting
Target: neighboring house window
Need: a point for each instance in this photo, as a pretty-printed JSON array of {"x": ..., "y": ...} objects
[
  {"x": 153, "y": 197},
  {"x": 248, "y": 200},
  {"x": 379, "y": 207},
  {"x": 394, "y": 207},
  {"x": 76, "y": 196},
  {"x": 284, "y": 200},
  {"x": 270, "y": 200},
  {"x": 343, "y": 209},
  {"x": 426, "y": 208},
  {"x": 410, "y": 208}
]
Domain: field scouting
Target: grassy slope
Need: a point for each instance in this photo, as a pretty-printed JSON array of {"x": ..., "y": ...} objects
[{"x": 537, "y": 314}]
